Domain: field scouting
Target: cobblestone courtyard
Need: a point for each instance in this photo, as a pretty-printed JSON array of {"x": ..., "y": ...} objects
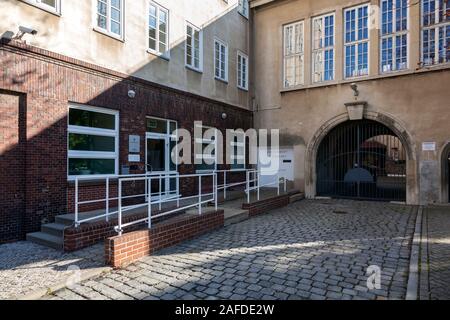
[
  {"x": 309, "y": 250},
  {"x": 435, "y": 281},
  {"x": 26, "y": 267}
]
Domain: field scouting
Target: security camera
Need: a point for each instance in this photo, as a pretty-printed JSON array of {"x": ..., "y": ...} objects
[{"x": 24, "y": 30}]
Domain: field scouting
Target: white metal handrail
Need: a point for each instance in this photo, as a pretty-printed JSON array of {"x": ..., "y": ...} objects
[
  {"x": 201, "y": 198},
  {"x": 258, "y": 185},
  {"x": 105, "y": 200},
  {"x": 252, "y": 183},
  {"x": 226, "y": 173}
]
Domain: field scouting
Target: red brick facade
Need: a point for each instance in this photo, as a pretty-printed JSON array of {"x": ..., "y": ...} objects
[
  {"x": 36, "y": 87},
  {"x": 123, "y": 250}
]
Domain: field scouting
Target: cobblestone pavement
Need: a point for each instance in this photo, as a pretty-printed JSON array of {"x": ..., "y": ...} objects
[
  {"x": 308, "y": 250},
  {"x": 26, "y": 267},
  {"x": 437, "y": 240}
]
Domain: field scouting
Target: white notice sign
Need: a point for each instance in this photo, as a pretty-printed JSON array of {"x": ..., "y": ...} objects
[{"x": 429, "y": 146}]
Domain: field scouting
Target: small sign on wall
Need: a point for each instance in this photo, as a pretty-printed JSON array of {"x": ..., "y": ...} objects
[
  {"x": 429, "y": 146},
  {"x": 134, "y": 145},
  {"x": 134, "y": 158}
]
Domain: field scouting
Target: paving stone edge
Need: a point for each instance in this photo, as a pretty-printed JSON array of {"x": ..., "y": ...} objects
[{"x": 413, "y": 278}]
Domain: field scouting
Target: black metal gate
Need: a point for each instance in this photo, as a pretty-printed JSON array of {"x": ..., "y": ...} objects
[{"x": 362, "y": 160}]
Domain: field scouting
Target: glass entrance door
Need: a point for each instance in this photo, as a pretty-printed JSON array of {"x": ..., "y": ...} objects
[{"x": 158, "y": 162}]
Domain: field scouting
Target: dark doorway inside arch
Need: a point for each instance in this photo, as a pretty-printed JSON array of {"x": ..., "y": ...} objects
[
  {"x": 362, "y": 160},
  {"x": 448, "y": 176}
]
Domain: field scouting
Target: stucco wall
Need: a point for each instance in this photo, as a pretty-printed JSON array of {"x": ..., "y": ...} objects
[
  {"x": 72, "y": 34},
  {"x": 417, "y": 99}
]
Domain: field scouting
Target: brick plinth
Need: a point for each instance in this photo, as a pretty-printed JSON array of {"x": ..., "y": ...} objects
[
  {"x": 128, "y": 248},
  {"x": 263, "y": 206}
]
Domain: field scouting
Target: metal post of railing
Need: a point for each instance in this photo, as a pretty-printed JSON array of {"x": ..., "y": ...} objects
[
  {"x": 119, "y": 218},
  {"x": 247, "y": 188},
  {"x": 107, "y": 199},
  {"x": 278, "y": 183},
  {"x": 146, "y": 186},
  {"x": 160, "y": 192},
  {"x": 257, "y": 181},
  {"x": 216, "y": 193},
  {"x": 224, "y": 185},
  {"x": 149, "y": 202},
  {"x": 285, "y": 184},
  {"x": 76, "y": 202},
  {"x": 199, "y": 194},
  {"x": 178, "y": 189}
]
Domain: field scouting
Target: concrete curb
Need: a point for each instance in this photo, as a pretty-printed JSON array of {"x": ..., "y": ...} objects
[
  {"x": 36, "y": 295},
  {"x": 413, "y": 278}
]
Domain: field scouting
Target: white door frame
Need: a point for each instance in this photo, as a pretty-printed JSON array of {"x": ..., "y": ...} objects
[{"x": 166, "y": 138}]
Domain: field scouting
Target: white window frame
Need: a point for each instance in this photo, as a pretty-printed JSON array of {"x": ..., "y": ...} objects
[
  {"x": 239, "y": 73},
  {"x": 156, "y": 52},
  {"x": 225, "y": 45},
  {"x": 200, "y": 35},
  {"x": 300, "y": 54},
  {"x": 436, "y": 27},
  {"x": 204, "y": 141},
  {"x": 93, "y": 131},
  {"x": 38, "y": 3},
  {"x": 357, "y": 42},
  {"x": 323, "y": 49},
  {"x": 394, "y": 36},
  {"x": 244, "y": 8},
  {"x": 107, "y": 31}
]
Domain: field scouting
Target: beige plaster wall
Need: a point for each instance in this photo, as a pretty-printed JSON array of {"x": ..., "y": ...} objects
[
  {"x": 72, "y": 34},
  {"x": 417, "y": 99}
]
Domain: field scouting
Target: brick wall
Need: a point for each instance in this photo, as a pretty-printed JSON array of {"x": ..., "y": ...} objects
[
  {"x": 128, "y": 248},
  {"x": 264, "y": 206},
  {"x": 47, "y": 82}
]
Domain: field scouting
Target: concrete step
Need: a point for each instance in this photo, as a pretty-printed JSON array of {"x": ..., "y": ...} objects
[
  {"x": 296, "y": 197},
  {"x": 46, "y": 239},
  {"x": 55, "y": 229},
  {"x": 65, "y": 219},
  {"x": 233, "y": 215}
]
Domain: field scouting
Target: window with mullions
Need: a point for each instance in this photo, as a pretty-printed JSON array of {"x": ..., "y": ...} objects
[
  {"x": 158, "y": 30},
  {"x": 220, "y": 60},
  {"x": 243, "y": 8},
  {"x": 92, "y": 141},
  {"x": 356, "y": 41},
  {"x": 435, "y": 31},
  {"x": 194, "y": 44},
  {"x": 53, "y": 6},
  {"x": 110, "y": 17},
  {"x": 323, "y": 48},
  {"x": 242, "y": 71},
  {"x": 394, "y": 35},
  {"x": 294, "y": 54}
]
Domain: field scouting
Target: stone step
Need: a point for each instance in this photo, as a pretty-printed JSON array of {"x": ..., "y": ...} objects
[
  {"x": 296, "y": 197},
  {"x": 65, "y": 219},
  {"x": 46, "y": 239},
  {"x": 55, "y": 229},
  {"x": 233, "y": 215}
]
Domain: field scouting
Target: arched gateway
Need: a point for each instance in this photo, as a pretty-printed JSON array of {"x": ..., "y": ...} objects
[{"x": 361, "y": 159}]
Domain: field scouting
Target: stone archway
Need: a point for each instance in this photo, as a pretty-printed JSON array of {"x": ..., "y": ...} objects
[
  {"x": 445, "y": 174},
  {"x": 412, "y": 195}
]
